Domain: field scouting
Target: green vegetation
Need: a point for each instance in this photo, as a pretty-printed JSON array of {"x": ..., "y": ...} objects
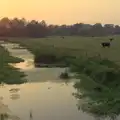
[
  {"x": 96, "y": 68},
  {"x": 9, "y": 74},
  {"x": 64, "y": 75},
  {"x": 101, "y": 71},
  {"x": 99, "y": 86},
  {"x": 60, "y": 49}
]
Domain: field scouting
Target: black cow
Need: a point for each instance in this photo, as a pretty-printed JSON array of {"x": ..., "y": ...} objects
[
  {"x": 111, "y": 39},
  {"x": 62, "y": 37},
  {"x": 105, "y": 44}
]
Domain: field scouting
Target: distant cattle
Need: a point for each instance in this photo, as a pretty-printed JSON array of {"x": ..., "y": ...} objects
[
  {"x": 105, "y": 44},
  {"x": 111, "y": 39},
  {"x": 62, "y": 37}
]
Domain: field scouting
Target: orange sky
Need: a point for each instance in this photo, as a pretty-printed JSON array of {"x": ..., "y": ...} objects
[{"x": 63, "y": 11}]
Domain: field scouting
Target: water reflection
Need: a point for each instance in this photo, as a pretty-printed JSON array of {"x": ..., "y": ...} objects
[
  {"x": 1, "y": 98},
  {"x": 5, "y": 113},
  {"x": 14, "y": 93},
  {"x": 26, "y": 65},
  {"x": 103, "y": 104},
  {"x": 14, "y": 96},
  {"x": 14, "y": 90}
]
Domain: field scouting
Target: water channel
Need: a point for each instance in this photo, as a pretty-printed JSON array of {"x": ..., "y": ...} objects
[{"x": 45, "y": 94}]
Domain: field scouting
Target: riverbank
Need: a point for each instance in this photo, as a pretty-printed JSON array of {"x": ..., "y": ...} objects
[
  {"x": 98, "y": 88},
  {"x": 9, "y": 74},
  {"x": 102, "y": 72}
]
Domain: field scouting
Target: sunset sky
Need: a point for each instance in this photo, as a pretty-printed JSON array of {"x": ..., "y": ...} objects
[{"x": 63, "y": 11}]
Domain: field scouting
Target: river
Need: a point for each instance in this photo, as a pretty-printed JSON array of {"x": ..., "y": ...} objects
[{"x": 45, "y": 94}]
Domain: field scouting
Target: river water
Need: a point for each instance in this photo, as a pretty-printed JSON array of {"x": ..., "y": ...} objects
[{"x": 45, "y": 94}]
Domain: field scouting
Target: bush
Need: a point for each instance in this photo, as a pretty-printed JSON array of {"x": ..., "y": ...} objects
[
  {"x": 101, "y": 71},
  {"x": 98, "y": 87}
]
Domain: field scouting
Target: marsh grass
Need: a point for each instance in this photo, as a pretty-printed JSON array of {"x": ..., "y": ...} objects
[
  {"x": 9, "y": 74},
  {"x": 98, "y": 86}
]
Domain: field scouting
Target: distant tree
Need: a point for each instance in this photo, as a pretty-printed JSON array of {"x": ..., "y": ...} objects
[
  {"x": 109, "y": 29},
  {"x": 4, "y": 26},
  {"x": 22, "y": 28},
  {"x": 36, "y": 29},
  {"x": 97, "y": 30},
  {"x": 117, "y": 29}
]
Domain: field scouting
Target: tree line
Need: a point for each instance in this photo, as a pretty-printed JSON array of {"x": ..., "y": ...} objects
[{"x": 22, "y": 28}]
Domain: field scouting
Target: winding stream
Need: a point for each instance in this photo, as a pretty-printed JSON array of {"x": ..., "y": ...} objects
[{"x": 48, "y": 96}]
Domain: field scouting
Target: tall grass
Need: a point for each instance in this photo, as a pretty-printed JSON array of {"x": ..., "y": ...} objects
[
  {"x": 98, "y": 87},
  {"x": 102, "y": 71},
  {"x": 9, "y": 74}
]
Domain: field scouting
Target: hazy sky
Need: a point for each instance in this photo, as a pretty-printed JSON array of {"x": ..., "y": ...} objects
[{"x": 63, "y": 11}]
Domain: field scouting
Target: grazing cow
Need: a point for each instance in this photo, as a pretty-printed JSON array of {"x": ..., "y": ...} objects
[
  {"x": 105, "y": 44},
  {"x": 62, "y": 37},
  {"x": 111, "y": 39}
]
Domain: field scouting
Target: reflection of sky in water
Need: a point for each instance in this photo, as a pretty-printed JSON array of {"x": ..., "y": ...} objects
[
  {"x": 22, "y": 53},
  {"x": 56, "y": 103},
  {"x": 27, "y": 65},
  {"x": 14, "y": 96}
]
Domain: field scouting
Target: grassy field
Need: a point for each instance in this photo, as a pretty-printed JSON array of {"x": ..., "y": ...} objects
[{"x": 73, "y": 46}]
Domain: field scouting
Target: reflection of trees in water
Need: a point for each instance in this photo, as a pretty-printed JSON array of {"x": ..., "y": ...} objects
[
  {"x": 5, "y": 113},
  {"x": 2, "y": 85},
  {"x": 14, "y": 90},
  {"x": 101, "y": 103},
  {"x": 1, "y": 98},
  {"x": 14, "y": 95}
]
